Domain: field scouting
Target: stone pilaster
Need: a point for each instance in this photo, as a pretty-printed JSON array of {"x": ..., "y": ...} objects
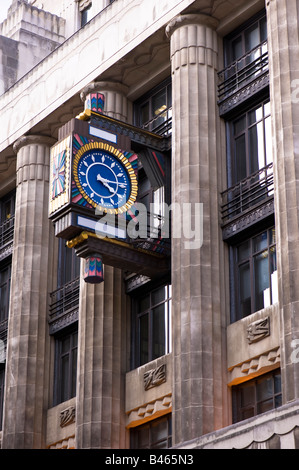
[
  {"x": 27, "y": 346},
  {"x": 197, "y": 387},
  {"x": 283, "y": 46},
  {"x": 100, "y": 400}
]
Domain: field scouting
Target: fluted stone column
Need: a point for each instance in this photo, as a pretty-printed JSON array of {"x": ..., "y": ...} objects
[
  {"x": 197, "y": 387},
  {"x": 116, "y": 105},
  {"x": 100, "y": 399},
  {"x": 283, "y": 45},
  {"x": 26, "y": 383}
]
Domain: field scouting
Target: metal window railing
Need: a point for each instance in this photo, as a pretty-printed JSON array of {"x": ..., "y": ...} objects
[
  {"x": 64, "y": 299},
  {"x": 160, "y": 124},
  {"x": 7, "y": 231},
  {"x": 249, "y": 192},
  {"x": 243, "y": 71},
  {"x": 156, "y": 237}
]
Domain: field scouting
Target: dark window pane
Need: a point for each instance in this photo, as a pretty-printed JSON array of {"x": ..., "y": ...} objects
[
  {"x": 263, "y": 30},
  {"x": 244, "y": 251},
  {"x": 155, "y": 434},
  {"x": 264, "y": 388},
  {"x": 277, "y": 383},
  {"x": 260, "y": 242},
  {"x": 247, "y": 395},
  {"x": 262, "y": 286},
  {"x": 256, "y": 147},
  {"x": 255, "y": 115},
  {"x": 257, "y": 396},
  {"x": 237, "y": 48},
  {"x": 158, "y": 296},
  {"x": 144, "y": 346},
  {"x": 240, "y": 153},
  {"x": 245, "y": 290},
  {"x": 264, "y": 406},
  {"x": 66, "y": 370},
  {"x": 240, "y": 125},
  {"x": 144, "y": 114},
  {"x": 248, "y": 413},
  {"x": 159, "y": 331},
  {"x": 65, "y": 378},
  {"x": 74, "y": 372},
  {"x": 252, "y": 37},
  {"x": 66, "y": 345}
]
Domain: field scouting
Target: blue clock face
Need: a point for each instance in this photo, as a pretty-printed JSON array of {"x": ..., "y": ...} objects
[{"x": 105, "y": 180}]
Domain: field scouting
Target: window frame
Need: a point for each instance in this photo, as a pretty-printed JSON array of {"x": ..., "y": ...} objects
[
  {"x": 137, "y": 359},
  {"x": 235, "y": 272},
  {"x": 148, "y": 100},
  {"x": 253, "y": 406},
  {"x": 6, "y": 266},
  {"x": 70, "y": 392},
  {"x": 149, "y": 426},
  {"x": 240, "y": 32},
  {"x": 232, "y": 137},
  {"x": 2, "y": 389},
  {"x": 68, "y": 264}
]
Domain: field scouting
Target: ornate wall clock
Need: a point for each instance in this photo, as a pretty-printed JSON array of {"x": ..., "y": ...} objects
[{"x": 104, "y": 177}]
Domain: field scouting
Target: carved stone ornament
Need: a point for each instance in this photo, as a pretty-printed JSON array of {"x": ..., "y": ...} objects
[
  {"x": 154, "y": 377},
  {"x": 258, "y": 330},
  {"x": 67, "y": 416}
]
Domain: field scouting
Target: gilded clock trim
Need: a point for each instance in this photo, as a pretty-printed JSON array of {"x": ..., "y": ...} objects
[{"x": 123, "y": 161}]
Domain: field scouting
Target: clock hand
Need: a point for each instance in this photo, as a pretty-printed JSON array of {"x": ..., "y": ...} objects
[
  {"x": 102, "y": 180},
  {"x": 99, "y": 177}
]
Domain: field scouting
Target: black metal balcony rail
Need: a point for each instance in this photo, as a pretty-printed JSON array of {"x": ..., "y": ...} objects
[
  {"x": 155, "y": 237},
  {"x": 248, "y": 193},
  {"x": 7, "y": 231},
  {"x": 243, "y": 71},
  {"x": 161, "y": 124},
  {"x": 64, "y": 300}
]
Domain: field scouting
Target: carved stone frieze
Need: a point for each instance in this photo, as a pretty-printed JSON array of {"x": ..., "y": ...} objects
[
  {"x": 268, "y": 360},
  {"x": 67, "y": 416},
  {"x": 154, "y": 377},
  {"x": 258, "y": 330}
]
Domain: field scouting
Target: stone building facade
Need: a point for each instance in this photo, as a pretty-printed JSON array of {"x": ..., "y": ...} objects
[{"x": 191, "y": 344}]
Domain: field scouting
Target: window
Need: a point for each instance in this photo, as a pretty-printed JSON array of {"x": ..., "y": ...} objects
[
  {"x": 68, "y": 264},
  {"x": 7, "y": 207},
  {"x": 2, "y": 382},
  {"x": 66, "y": 366},
  {"x": 246, "y": 61},
  {"x": 251, "y": 148},
  {"x": 153, "y": 325},
  {"x": 152, "y": 435},
  {"x": 85, "y": 9},
  {"x": 153, "y": 112},
  {"x": 7, "y": 211},
  {"x": 249, "y": 40},
  {"x": 5, "y": 274},
  {"x": 257, "y": 396},
  {"x": 255, "y": 273}
]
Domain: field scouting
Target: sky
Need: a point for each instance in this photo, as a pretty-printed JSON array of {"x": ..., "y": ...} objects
[{"x": 4, "y": 6}]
